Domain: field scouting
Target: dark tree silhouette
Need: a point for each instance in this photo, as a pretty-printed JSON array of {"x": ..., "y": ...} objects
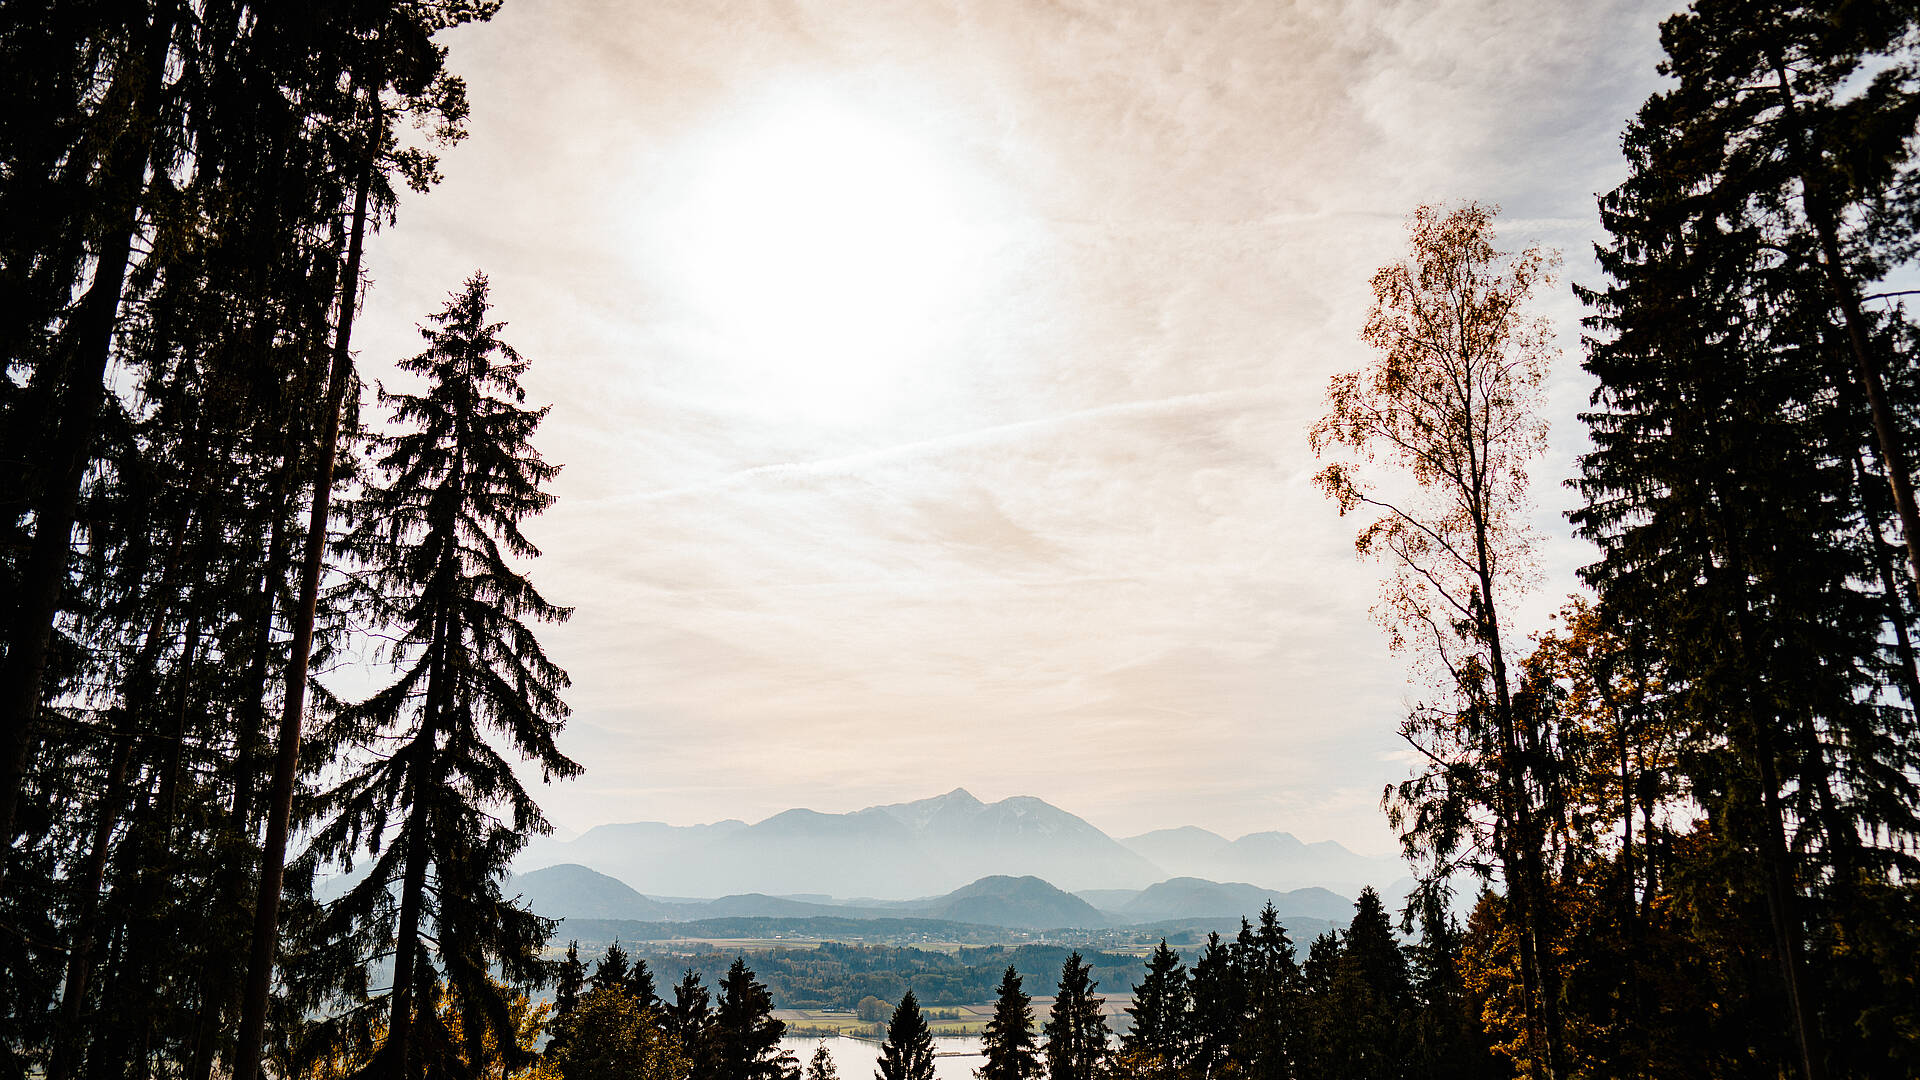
[
  {"x": 746, "y": 1037},
  {"x": 1157, "y": 1043},
  {"x": 907, "y": 1053},
  {"x": 1076, "y": 1030},
  {"x": 1009, "y": 1046},
  {"x": 461, "y": 475}
]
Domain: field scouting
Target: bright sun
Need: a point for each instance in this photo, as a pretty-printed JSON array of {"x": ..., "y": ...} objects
[{"x": 821, "y": 244}]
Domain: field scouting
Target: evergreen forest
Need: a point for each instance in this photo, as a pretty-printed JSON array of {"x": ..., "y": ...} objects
[{"x": 1678, "y": 835}]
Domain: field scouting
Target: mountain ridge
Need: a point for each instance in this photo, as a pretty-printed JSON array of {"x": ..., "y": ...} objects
[
  {"x": 573, "y": 892},
  {"x": 923, "y": 848},
  {"x": 926, "y": 848}
]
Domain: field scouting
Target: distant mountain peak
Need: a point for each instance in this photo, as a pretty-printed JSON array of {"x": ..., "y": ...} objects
[
  {"x": 1181, "y": 832},
  {"x": 929, "y": 846},
  {"x": 958, "y": 804}
]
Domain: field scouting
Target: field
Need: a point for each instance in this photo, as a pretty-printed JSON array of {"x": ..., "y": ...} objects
[{"x": 941, "y": 1019}]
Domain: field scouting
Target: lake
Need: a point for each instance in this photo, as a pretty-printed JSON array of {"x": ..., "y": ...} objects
[{"x": 858, "y": 1059}]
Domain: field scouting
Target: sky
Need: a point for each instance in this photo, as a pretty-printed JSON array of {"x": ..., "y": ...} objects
[{"x": 932, "y": 378}]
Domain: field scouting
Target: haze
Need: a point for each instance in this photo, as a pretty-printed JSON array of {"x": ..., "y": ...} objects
[{"x": 933, "y": 379}]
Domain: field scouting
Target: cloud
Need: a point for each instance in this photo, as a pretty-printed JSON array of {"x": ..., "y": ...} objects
[{"x": 1064, "y": 543}]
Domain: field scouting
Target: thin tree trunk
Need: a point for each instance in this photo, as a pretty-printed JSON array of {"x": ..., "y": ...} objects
[
  {"x": 135, "y": 690},
  {"x": 1540, "y": 984},
  {"x": 220, "y": 993},
  {"x": 1886, "y": 428},
  {"x": 1782, "y": 909},
  {"x": 266, "y": 926},
  {"x": 424, "y": 770},
  {"x": 23, "y": 675},
  {"x": 408, "y": 951},
  {"x": 1897, "y": 598},
  {"x": 1782, "y": 895},
  {"x": 92, "y": 877}
]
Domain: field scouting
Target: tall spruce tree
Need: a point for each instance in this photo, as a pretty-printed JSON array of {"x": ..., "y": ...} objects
[
  {"x": 1270, "y": 1018},
  {"x": 1737, "y": 398},
  {"x": 688, "y": 1020},
  {"x": 1076, "y": 1029},
  {"x": 1008, "y": 1043},
  {"x": 640, "y": 986},
  {"x": 746, "y": 1037},
  {"x": 1158, "y": 1042},
  {"x": 461, "y": 476},
  {"x": 907, "y": 1052},
  {"x": 1219, "y": 1005}
]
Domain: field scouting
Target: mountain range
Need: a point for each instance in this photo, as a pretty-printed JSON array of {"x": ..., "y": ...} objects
[
  {"x": 905, "y": 850},
  {"x": 901, "y": 858},
  {"x": 574, "y": 892},
  {"x": 1275, "y": 859}
]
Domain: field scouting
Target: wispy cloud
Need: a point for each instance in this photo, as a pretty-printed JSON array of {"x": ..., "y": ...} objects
[{"x": 1063, "y": 542}]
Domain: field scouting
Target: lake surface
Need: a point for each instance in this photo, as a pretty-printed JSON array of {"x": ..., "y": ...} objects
[{"x": 857, "y": 1059}]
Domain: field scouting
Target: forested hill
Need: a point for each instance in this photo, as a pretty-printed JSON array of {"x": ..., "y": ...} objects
[{"x": 837, "y": 976}]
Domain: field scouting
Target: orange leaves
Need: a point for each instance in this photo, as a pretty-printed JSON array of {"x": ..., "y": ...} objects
[{"x": 1451, "y": 405}]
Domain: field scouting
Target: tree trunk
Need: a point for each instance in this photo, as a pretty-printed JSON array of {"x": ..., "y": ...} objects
[
  {"x": 266, "y": 925},
  {"x": 1782, "y": 895},
  {"x": 408, "y": 951},
  {"x": 1886, "y": 428},
  {"x": 1526, "y": 878},
  {"x": 30, "y": 632},
  {"x": 424, "y": 770},
  {"x": 1897, "y": 598},
  {"x": 90, "y": 880}
]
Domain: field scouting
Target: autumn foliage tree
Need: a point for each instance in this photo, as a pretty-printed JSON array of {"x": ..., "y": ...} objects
[{"x": 1450, "y": 408}]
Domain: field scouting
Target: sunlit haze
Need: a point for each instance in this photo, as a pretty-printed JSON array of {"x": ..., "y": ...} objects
[
  {"x": 932, "y": 380},
  {"x": 821, "y": 244}
]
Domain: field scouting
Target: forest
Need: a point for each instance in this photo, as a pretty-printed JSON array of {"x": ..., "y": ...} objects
[
  {"x": 1358, "y": 1004},
  {"x": 839, "y": 976},
  {"x": 1684, "y": 820}
]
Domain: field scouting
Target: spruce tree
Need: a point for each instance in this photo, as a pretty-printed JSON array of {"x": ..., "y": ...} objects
[
  {"x": 746, "y": 1037},
  {"x": 1009, "y": 1045},
  {"x": 612, "y": 970},
  {"x": 1265, "y": 1044},
  {"x": 820, "y": 1066},
  {"x": 1322, "y": 1031},
  {"x": 1220, "y": 994},
  {"x": 1365, "y": 1011},
  {"x": 1448, "y": 1041},
  {"x": 1375, "y": 954},
  {"x": 436, "y": 539},
  {"x": 688, "y": 1019},
  {"x": 569, "y": 980},
  {"x": 1736, "y": 385},
  {"x": 639, "y": 985},
  {"x": 907, "y": 1053},
  {"x": 1157, "y": 1043},
  {"x": 1076, "y": 1030}
]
